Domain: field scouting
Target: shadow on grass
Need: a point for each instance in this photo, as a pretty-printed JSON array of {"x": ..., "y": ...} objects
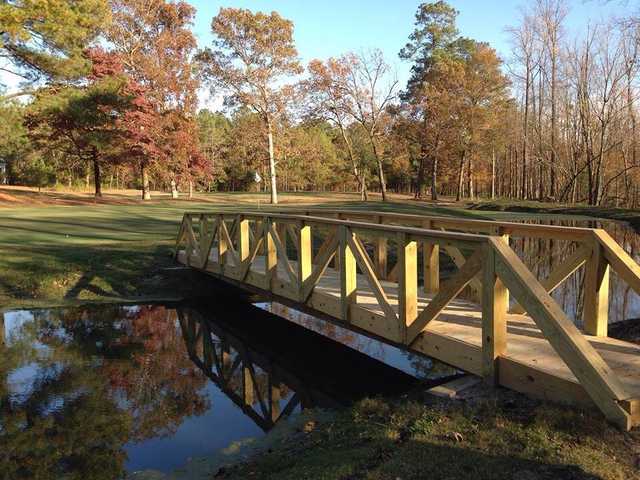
[
  {"x": 108, "y": 272},
  {"x": 368, "y": 458}
]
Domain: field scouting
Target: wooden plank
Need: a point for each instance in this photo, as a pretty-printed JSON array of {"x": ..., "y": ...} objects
[
  {"x": 208, "y": 245},
  {"x": 585, "y": 363},
  {"x": 596, "y": 293},
  {"x": 495, "y": 303},
  {"x": 271, "y": 255},
  {"x": 459, "y": 260},
  {"x": 561, "y": 272},
  {"x": 450, "y": 289},
  {"x": 321, "y": 265},
  {"x": 304, "y": 247},
  {"x": 347, "y": 275},
  {"x": 243, "y": 239},
  {"x": 431, "y": 267},
  {"x": 407, "y": 281},
  {"x": 364, "y": 262},
  {"x": 465, "y": 224},
  {"x": 246, "y": 265},
  {"x": 282, "y": 256}
]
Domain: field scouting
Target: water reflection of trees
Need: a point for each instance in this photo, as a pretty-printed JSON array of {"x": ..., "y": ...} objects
[
  {"x": 542, "y": 255},
  {"x": 77, "y": 384}
]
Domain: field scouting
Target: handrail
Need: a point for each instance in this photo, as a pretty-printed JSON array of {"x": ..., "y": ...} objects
[
  {"x": 493, "y": 227},
  {"x": 260, "y": 239}
]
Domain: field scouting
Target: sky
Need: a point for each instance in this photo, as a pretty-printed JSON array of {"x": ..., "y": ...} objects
[{"x": 331, "y": 27}]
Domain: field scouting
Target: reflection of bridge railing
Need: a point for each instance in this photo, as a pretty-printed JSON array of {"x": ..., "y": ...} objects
[
  {"x": 247, "y": 377},
  {"x": 269, "y": 366},
  {"x": 321, "y": 260}
]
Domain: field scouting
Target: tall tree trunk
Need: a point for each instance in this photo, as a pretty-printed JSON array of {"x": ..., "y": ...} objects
[
  {"x": 190, "y": 188},
  {"x": 434, "y": 178},
  {"x": 493, "y": 173},
  {"x": 381, "y": 179},
  {"x": 97, "y": 180},
  {"x": 420, "y": 179},
  {"x": 525, "y": 134},
  {"x": 470, "y": 190},
  {"x": 357, "y": 173},
  {"x": 460, "y": 175},
  {"x": 272, "y": 163},
  {"x": 146, "y": 192}
]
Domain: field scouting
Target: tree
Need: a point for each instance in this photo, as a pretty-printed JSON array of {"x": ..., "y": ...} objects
[
  {"x": 45, "y": 39},
  {"x": 368, "y": 93},
  {"x": 253, "y": 54},
  {"x": 328, "y": 99},
  {"x": 154, "y": 41},
  {"x": 93, "y": 122}
]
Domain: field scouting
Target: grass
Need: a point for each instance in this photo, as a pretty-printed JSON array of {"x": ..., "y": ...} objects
[
  {"x": 61, "y": 248},
  {"x": 501, "y": 436}
]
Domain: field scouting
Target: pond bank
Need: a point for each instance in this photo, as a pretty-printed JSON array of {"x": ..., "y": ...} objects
[{"x": 632, "y": 217}]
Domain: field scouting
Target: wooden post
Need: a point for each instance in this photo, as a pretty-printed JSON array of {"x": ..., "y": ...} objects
[
  {"x": 380, "y": 254},
  {"x": 494, "y": 318},
  {"x": 243, "y": 240},
  {"x": 380, "y": 257},
  {"x": 431, "y": 267},
  {"x": 596, "y": 293},
  {"x": 305, "y": 254},
  {"x": 222, "y": 244},
  {"x": 347, "y": 275},
  {"x": 271, "y": 255},
  {"x": 407, "y": 282}
]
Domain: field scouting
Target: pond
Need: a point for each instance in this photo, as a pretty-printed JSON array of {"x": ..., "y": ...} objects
[{"x": 171, "y": 391}]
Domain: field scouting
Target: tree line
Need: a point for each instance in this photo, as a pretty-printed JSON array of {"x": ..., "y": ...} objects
[{"x": 112, "y": 89}]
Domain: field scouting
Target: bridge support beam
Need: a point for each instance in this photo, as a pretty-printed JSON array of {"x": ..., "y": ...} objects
[
  {"x": 596, "y": 293},
  {"x": 495, "y": 302}
]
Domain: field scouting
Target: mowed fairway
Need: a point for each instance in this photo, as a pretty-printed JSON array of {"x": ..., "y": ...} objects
[{"x": 53, "y": 253}]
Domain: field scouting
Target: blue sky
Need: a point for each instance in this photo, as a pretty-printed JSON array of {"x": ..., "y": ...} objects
[{"x": 331, "y": 27}]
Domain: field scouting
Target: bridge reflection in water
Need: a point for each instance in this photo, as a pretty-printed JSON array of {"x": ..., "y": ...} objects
[{"x": 271, "y": 367}]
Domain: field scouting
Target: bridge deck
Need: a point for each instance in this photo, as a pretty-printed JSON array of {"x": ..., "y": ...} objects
[{"x": 530, "y": 364}]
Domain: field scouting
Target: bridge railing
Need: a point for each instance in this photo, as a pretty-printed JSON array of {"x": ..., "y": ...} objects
[{"x": 289, "y": 254}]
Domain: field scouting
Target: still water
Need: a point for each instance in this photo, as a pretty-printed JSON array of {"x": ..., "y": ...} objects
[{"x": 157, "y": 391}]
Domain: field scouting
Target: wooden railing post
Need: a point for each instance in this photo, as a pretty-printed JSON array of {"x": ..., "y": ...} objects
[
  {"x": 271, "y": 255},
  {"x": 494, "y": 318},
  {"x": 596, "y": 293},
  {"x": 380, "y": 254},
  {"x": 305, "y": 255},
  {"x": 430, "y": 263},
  {"x": 347, "y": 274},
  {"x": 222, "y": 244},
  {"x": 407, "y": 282},
  {"x": 243, "y": 240}
]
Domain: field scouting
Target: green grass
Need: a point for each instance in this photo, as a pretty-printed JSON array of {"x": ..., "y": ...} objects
[
  {"x": 95, "y": 252},
  {"x": 503, "y": 436}
]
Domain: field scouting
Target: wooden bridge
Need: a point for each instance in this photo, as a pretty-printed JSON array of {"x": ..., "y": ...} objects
[{"x": 336, "y": 264}]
